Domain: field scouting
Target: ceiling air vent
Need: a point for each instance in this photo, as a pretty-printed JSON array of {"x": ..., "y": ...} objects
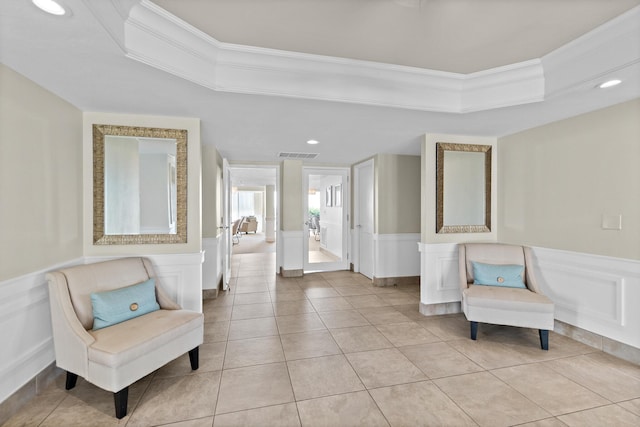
[{"x": 284, "y": 155}]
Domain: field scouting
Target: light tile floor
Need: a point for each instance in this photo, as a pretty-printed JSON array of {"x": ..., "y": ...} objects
[{"x": 329, "y": 349}]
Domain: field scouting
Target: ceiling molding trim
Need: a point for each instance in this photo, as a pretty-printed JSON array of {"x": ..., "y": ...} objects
[
  {"x": 155, "y": 37},
  {"x": 161, "y": 40},
  {"x": 611, "y": 48},
  {"x": 515, "y": 84}
]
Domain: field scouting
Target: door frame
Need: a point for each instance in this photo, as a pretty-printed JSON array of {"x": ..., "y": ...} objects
[
  {"x": 357, "y": 184},
  {"x": 227, "y": 243}
]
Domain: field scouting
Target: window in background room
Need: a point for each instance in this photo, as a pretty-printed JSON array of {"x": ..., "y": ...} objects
[{"x": 248, "y": 203}]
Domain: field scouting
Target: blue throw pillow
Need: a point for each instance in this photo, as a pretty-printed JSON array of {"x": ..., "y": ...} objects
[
  {"x": 509, "y": 276},
  {"x": 112, "y": 307}
]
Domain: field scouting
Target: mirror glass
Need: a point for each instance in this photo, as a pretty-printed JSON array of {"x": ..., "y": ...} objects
[
  {"x": 463, "y": 180},
  {"x": 139, "y": 185}
]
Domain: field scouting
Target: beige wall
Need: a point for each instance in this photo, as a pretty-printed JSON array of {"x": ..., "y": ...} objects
[
  {"x": 428, "y": 179},
  {"x": 40, "y": 177},
  {"x": 211, "y": 191},
  {"x": 291, "y": 196},
  {"x": 194, "y": 177},
  {"x": 557, "y": 181},
  {"x": 397, "y": 194}
]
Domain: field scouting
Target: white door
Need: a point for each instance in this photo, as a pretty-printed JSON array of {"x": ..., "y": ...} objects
[
  {"x": 363, "y": 217},
  {"x": 226, "y": 224},
  {"x": 325, "y": 214}
]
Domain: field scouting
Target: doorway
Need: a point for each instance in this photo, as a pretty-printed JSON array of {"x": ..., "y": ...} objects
[
  {"x": 326, "y": 219},
  {"x": 253, "y": 209}
]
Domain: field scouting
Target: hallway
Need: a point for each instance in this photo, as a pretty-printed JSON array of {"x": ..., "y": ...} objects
[{"x": 329, "y": 349}]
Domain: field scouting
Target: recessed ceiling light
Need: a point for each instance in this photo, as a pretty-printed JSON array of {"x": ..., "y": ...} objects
[
  {"x": 312, "y": 142},
  {"x": 50, "y": 6},
  {"x": 610, "y": 83}
]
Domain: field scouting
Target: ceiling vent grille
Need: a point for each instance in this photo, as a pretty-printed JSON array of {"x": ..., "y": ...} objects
[{"x": 286, "y": 155}]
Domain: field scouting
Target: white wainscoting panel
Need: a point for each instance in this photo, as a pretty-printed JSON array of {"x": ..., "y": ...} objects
[
  {"x": 25, "y": 329},
  {"x": 439, "y": 281},
  {"x": 292, "y": 243},
  {"x": 596, "y": 293},
  {"x": 212, "y": 265},
  {"x": 396, "y": 255},
  {"x": 332, "y": 234}
]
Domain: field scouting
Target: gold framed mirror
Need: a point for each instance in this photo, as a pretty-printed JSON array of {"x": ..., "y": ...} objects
[
  {"x": 463, "y": 188},
  {"x": 139, "y": 185}
]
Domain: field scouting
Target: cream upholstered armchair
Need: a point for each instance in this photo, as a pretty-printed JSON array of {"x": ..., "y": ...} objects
[
  {"x": 114, "y": 356},
  {"x": 499, "y": 287}
]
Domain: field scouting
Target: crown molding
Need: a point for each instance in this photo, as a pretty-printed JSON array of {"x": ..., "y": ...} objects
[
  {"x": 612, "y": 47},
  {"x": 149, "y": 34}
]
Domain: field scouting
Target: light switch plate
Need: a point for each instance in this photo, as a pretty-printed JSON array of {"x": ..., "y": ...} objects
[{"x": 611, "y": 222}]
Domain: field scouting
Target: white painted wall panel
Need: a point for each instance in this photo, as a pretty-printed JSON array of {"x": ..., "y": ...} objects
[
  {"x": 396, "y": 255},
  {"x": 212, "y": 265},
  {"x": 292, "y": 243},
  {"x": 439, "y": 281}
]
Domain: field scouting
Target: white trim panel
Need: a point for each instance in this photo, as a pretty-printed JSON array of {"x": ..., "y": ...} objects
[
  {"x": 596, "y": 293},
  {"x": 439, "y": 281},
  {"x": 212, "y": 265},
  {"x": 292, "y": 244},
  {"x": 396, "y": 255},
  {"x": 25, "y": 329}
]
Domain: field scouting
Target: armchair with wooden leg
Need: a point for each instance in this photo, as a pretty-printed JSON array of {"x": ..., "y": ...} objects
[
  {"x": 113, "y": 324},
  {"x": 499, "y": 287}
]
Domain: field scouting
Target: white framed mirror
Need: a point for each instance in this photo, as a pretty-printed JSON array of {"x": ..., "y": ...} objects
[
  {"x": 139, "y": 185},
  {"x": 463, "y": 188}
]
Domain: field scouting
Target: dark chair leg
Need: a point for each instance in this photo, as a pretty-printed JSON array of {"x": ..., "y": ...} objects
[
  {"x": 71, "y": 380},
  {"x": 474, "y": 330},
  {"x": 120, "y": 399},
  {"x": 544, "y": 339},
  {"x": 194, "y": 358}
]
